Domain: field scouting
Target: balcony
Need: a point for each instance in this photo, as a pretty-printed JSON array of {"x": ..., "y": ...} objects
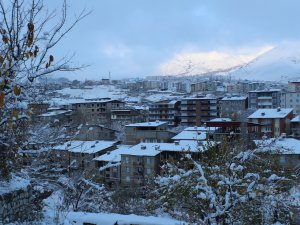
[
  {"x": 264, "y": 103},
  {"x": 265, "y": 98}
]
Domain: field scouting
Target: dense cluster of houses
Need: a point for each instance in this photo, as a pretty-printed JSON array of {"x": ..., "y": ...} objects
[{"x": 118, "y": 143}]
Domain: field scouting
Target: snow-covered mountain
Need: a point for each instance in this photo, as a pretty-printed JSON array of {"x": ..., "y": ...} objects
[{"x": 282, "y": 63}]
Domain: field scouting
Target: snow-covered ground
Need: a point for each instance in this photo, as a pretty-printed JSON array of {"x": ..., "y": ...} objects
[
  {"x": 112, "y": 218},
  {"x": 15, "y": 183},
  {"x": 99, "y": 91},
  {"x": 54, "y": 215}
]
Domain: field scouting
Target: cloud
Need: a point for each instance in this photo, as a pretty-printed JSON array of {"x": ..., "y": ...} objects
[
  {"x": 192, "y": 63},
  {"x": 116, "y": 51}
]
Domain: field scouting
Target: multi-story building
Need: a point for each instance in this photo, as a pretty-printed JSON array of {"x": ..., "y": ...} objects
[
  {"x": 126, "y": 116},
  {"x": 264, "y": 99},
  {"x": 295, "y": 126},
  {"x": 153, "y": 132},
  {"x": 95, "y": 111},
  {"x": 81, "y": 153},
  {"x": 273, "y": 122},
  {"x": 294, "y": 86},
  {"x": 233, "y": 106},
  {"x": 291, "y": 100},
  {"x": 91, "y": 133},
  {"x": 142, "y": 162},
  {"x": 139, "y": 164},
  {"x": 195, "y": 111},
  {"x": 168, "y": 111}
]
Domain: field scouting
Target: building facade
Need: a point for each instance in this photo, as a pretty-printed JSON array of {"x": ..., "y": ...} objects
[
  {"x": 148, "y": 132},
  {"x": 196, "y": 111},
  {"x": 290, "y": 100},
  {"x": 168, "y": 111},
  {"x": 233, "y": 107},
  {"x": 264, "y": 99},
  {"x": 273, "y": 122},
  {"x": 95, "y": 111}
]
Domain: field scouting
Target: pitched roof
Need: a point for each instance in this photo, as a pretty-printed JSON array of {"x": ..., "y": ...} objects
[
  {"x": 89, "y": 147},
  {"x": 147, "y": 124},
  {"x": 270, "y": 113}
]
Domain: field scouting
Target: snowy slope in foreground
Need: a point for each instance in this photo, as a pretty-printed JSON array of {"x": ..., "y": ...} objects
[
  {"x": 112, "y": 218},
  {"x": 282, "y": 63}
]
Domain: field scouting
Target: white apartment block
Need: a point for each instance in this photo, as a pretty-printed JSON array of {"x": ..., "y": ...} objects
[{"x": 290, "y": 100}]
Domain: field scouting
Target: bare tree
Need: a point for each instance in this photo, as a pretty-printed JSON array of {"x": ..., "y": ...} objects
[{"x": 29, "y": 34}]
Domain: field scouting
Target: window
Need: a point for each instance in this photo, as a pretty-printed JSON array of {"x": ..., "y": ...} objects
[
  {"x": 149, "y": 160},
  {"x": 127, "y": 170},
  {"x": 282, "y": 159},
  {"x": 127, "y": 179},
  {"x": 148, "y": 171}
]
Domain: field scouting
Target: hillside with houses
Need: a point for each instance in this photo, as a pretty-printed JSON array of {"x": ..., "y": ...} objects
[{"x": 110, "y": 149}]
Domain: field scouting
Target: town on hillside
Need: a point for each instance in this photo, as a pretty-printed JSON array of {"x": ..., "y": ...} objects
[{"x": 149, "y": 112}]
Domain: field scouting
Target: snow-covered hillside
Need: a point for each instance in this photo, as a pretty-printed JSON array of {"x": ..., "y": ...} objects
[{"x": 282, "y": 63}]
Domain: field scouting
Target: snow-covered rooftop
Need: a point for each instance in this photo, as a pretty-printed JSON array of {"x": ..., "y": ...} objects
[
  {"x": 283, "y": 145},
  {"x": 221, "y": 120},
  {"x": 270, "y": 113},
  {"x": 296, "y": 119},
  {"x": 55, "y": 113},
  {"x": 153, "y": 149},
  {"x": 268, "y": 90},
  {"x": 190, "y": 135},
  {"x": 113, "y": 156},
  {"x": 234, "y": 98},
  {"x": 147, "y": 124},
  {"x": 89, "y": 147},
  {"x": 200, "y": 128}
]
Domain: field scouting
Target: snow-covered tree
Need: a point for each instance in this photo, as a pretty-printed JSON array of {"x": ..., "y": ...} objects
[
  {"x": 29, "y": 33},
  {"x": 227, "y": 185}
]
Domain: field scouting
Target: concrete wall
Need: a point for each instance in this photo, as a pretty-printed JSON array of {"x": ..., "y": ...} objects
[{"x": 16, "y": 205}]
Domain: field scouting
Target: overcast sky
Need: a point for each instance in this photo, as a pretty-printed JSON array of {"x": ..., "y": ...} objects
[{"x": 137, "y": 38}]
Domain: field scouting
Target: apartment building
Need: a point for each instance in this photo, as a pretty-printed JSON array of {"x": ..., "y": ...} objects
[
  {"x": 95, "y": 111},
  {"x": 195, "y": 111},
  {"x": 81, "y": 153},
  {"x": 264, "y": 99},
  {"x": 294, "y": 86},
  {"x": 273, "y": 122},
  {"x": 291, "y": 100},
  {"x": 139, "y": 164},
  {"x": 59, "y": 117},
  {"x": 142, "y": 162},
  {"x": 108, "y": 167},
  {"x": 92, "y": 133},
  {"x": 234, "y": 106},
  {"x": 154, "y": 132},
  {"x": 127, "y": 116},
  {"x": 167, "y": 111}
]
